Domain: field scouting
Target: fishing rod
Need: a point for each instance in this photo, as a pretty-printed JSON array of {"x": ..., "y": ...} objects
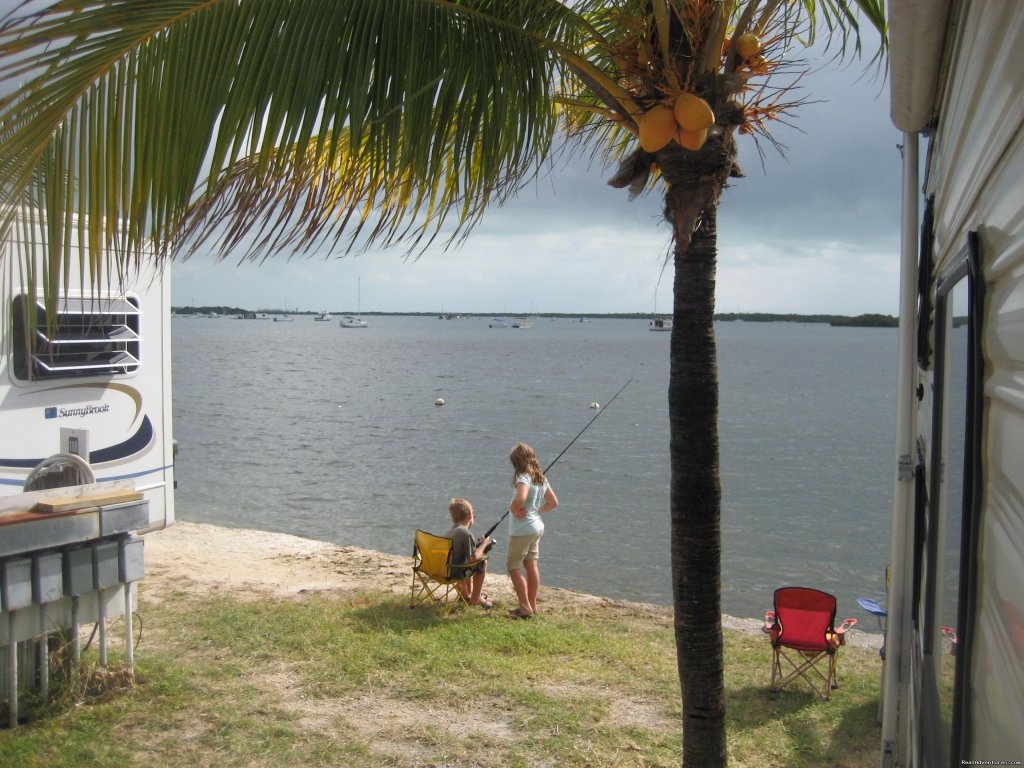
[{"x": 549, "y": 466}]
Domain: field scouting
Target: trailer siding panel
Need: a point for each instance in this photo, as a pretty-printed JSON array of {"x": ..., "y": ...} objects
[{"x": 976, "y": 176}]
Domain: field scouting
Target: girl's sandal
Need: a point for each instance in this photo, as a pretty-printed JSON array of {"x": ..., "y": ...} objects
[{"x": 517, "y": 613}]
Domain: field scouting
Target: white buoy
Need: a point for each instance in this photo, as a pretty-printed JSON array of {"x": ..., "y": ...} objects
[
  {"x": 439, "y": 402},
  {"x": 595, "y": 406}
]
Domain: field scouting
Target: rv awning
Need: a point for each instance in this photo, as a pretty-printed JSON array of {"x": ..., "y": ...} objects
[{"x": 917, "y": 36}]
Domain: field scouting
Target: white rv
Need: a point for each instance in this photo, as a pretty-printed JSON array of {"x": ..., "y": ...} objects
[
  {"x": 86, "y": 457},
  {"x": 96, "y": 386},
  {"x": 953, "y": 690}
]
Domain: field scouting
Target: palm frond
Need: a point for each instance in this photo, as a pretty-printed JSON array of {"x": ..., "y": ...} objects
[
  {"x": 335, "y": 123},
  {"x": 150, "y": 112}
]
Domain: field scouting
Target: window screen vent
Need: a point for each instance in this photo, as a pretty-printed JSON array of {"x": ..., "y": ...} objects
[{"x": 92, "y": 337}]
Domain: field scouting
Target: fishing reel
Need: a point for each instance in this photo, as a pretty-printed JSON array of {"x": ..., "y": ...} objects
[{"x": 490, "y": 546}]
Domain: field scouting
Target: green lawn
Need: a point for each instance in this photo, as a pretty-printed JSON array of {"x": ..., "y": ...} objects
[{"x": 366, "y": 681}]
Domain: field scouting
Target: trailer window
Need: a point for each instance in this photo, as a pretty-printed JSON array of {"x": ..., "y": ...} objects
[
  {"x": 94, "y": 336},
  {"x": 951, "y": 529}
]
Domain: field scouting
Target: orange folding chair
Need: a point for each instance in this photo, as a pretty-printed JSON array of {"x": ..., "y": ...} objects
[{"x": 804, "y": 636}]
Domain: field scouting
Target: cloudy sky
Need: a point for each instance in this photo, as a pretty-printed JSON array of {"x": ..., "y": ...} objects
[{"x": 813, "y": 231}]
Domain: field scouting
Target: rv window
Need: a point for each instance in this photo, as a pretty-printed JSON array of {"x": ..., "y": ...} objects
[
  {"x": 948, "y": 521},
  {"x": 91, "y": 337},
  {"x": 950, "y": 528}
]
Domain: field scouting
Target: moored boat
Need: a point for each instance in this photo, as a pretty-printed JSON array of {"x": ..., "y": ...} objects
[{"x": 355, "y": 321}]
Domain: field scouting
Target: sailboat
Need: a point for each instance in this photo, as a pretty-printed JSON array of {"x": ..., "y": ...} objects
[
  {"x": 659, "y": 323},
  {"x": 355, "y": 321}
]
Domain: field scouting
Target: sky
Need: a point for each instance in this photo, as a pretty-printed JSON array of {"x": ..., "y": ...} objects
[{"x": 812, "y": 231}]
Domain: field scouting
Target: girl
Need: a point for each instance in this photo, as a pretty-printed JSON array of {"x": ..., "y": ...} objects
[{"x": 533, "y": 497}]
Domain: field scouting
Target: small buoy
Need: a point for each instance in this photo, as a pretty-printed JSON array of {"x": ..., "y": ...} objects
[
  {"x": 595, "y": 406},
  {"x": 439, "y": 402}
]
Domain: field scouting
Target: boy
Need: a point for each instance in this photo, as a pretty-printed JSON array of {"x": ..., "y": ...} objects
[{"x": 465, "y": 548}]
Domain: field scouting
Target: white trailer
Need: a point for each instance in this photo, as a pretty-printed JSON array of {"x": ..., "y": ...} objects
[
  {"x": 86, "y": 455},
  {"x": 97, "y": 385},
  {"x": 953, "y": 689}
]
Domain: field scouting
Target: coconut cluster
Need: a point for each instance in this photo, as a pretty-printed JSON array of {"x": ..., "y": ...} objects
[{"x": 687, "y": 122}]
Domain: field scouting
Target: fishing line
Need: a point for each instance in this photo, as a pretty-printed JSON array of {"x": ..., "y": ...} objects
[{"x": 549, "y": 466}]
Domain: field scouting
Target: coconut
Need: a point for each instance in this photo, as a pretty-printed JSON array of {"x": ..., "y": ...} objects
[
  {"x": 692, "y": 140},
  {"x": 657, "y": 128},
  {"x": 748, "y": 45},
  {"x": 693, "y": 113}
]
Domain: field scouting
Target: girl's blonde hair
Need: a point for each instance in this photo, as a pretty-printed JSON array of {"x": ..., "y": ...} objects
[{"x": 524, "y": 461}]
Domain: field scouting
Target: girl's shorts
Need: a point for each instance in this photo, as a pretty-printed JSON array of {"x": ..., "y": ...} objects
[{"x": 522, "y": 548}]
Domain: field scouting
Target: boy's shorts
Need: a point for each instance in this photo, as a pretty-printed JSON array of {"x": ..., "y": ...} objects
[
  {"x": 522, "y": 548},
  {"x": 461, "y": 571}
]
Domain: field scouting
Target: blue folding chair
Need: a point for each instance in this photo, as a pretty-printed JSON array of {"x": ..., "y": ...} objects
[{"x": 873, "y": 607}]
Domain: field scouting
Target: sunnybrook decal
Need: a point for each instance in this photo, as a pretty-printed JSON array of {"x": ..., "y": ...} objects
[
  {"x": 54, "y": 412},
  {"x": 58, "y": 412},
  {"x": 135, "y": 441}
]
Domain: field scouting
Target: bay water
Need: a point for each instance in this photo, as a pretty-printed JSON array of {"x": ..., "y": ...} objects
[{"x": 311, "y": 429}]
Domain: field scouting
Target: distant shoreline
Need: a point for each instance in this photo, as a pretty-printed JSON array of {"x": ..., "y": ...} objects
[{"x": 858, "y": 321}]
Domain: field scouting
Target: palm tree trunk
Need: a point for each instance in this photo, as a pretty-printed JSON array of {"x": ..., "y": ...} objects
[{"x": 696, "y": 491}]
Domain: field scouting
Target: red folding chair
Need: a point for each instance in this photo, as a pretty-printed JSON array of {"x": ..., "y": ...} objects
[{"x": 804, "y": 636}]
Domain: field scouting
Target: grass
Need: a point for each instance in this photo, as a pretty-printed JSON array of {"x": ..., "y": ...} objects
[{"x": 364, "y": 681}]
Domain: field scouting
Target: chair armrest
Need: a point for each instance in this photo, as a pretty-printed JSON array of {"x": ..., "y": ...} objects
[{"x": 838, "y": 637}]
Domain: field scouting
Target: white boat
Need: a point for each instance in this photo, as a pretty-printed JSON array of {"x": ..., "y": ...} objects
[
  {"x": 284, "y": 319},
  {"x": 323, "y": 317},
  {"x": 356, "y": 320},
  {"x": 660, "y": 324},
  {"x": 498, "y": 322},
  {"x": 522, "y": 322}
]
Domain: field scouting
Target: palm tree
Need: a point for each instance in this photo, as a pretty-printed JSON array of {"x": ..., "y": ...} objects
[{"x": 287, "y": 126}]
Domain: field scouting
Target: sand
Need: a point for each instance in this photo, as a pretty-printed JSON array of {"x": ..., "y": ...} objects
[{"x": 251, "y": 564}]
